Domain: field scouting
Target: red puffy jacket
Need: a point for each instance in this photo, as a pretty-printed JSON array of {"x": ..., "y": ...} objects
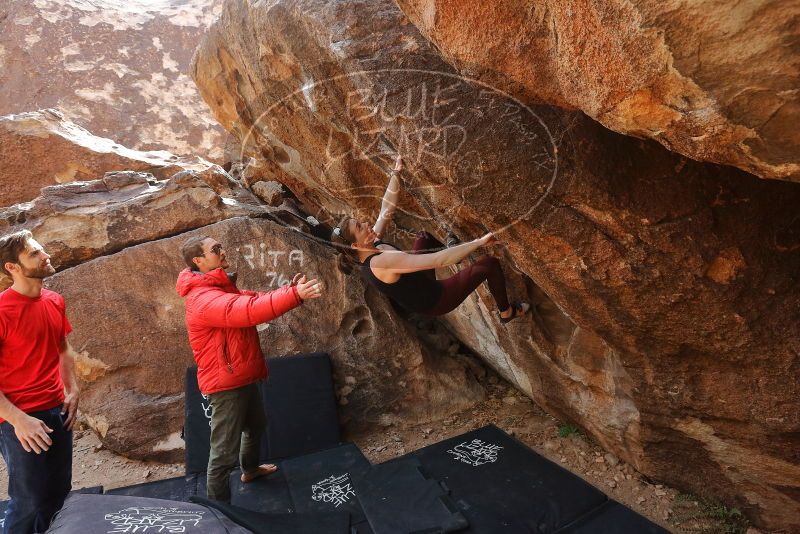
[{"x": 221, "y": 321}]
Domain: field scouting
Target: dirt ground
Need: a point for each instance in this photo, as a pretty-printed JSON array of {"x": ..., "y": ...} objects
[{"x": 504, "y": 406}]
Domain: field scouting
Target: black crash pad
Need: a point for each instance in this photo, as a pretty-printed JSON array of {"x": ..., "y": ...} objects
[
  {"x": 298, "y": 399},
  {"x": 398, "y": 497},
  {"x": 285, "y": 523},
  {"x": 613, "y": 518},
  {"x": 94, "y": 490},
  {"x": 196, "y": 426},
  {"x": 268, "y": 494},
  {"x": 323, "y": 481},
  {"x": 362, "y": 527},
  {"x": 121, "y": 514},
  {"x": 300, "y": 405},
  {"x": 500, "y": 484},
  {"x": 171, "y": 489}
]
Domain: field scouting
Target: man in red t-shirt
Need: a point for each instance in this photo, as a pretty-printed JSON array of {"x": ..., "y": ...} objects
[{"x": 38, "y": 391}]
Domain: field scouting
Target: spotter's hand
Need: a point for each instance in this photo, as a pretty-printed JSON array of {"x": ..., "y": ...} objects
[
  {"x": 310, "y": 289},
  {"x": 70, "y": 409},
  {"x": 32, "y": 434}
]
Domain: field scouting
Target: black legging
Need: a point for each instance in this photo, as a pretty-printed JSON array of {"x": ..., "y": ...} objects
[{"x": 458, "y": 287}]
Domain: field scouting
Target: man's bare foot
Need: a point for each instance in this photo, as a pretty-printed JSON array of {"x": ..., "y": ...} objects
[{"x": 260, "y": 471}]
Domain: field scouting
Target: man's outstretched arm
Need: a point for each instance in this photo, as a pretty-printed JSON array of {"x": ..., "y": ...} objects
[{"x": 239, "y": 311}]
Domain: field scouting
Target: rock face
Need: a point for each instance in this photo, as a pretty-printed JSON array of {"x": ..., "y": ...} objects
[
  {"x": 667, "y": 306},
  {"x": 269, "y": 192},
  {"x": 130, "y": 332},
  {"x": 42, "y": 148},
  {"x": 116, "y": 68},
  {"x": 715, "y": 81},
  {"x": 84, "y": 220},
  {"x": 81, "y": 220}
]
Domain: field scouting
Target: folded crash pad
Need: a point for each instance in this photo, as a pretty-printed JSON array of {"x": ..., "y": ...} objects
[
  {"x": 301, "y": 406},
  {"x": 298, "y": 399},
  {"x": 196, "y": 426}
]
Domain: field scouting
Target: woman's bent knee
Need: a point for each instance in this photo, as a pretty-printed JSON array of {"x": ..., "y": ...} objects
[{"x": 490, "y": 262}]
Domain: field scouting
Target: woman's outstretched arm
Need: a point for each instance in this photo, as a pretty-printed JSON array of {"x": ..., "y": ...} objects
[
  {"x": 389, "y": 199},
  {"x": 400, "y": 262}
]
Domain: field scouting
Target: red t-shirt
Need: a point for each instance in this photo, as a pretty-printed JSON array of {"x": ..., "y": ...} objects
[{"x": 31, "y": 334}]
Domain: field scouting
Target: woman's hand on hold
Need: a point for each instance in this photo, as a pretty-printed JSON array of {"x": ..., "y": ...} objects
[
  {"x": 398, "y": 163},
  {"x": 310, "y": 289},
  {"x": 489, "y": 240}
]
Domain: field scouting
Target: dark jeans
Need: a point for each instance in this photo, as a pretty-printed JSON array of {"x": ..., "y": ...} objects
[
  {"x": 237, "y": 422},
  {"x": 37, "y": 483}
]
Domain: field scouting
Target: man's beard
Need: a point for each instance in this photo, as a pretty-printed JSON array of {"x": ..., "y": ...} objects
[{"x": 38, "y": 273}]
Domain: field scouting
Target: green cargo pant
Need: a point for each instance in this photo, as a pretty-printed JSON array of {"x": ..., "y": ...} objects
[{"x": 237, "y": 422}]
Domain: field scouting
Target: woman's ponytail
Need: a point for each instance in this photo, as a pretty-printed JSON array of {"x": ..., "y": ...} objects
[
  {"x": 341, "y": 236},
  {"x": 345, "y": 262}
]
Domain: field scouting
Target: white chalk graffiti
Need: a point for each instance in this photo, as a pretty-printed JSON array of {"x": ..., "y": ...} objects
[
  {"x": 206, "y": 405},
  {"x": 433, "y": 122},
  {"x": 334, "y": 489},
  {"x": 461, "y": 141},
  {"x": 260, "y": 257},
  {"x": 427, "y": 119},
  {"x": 138, "y": 519},
  {"x": 475, "y": 452}
]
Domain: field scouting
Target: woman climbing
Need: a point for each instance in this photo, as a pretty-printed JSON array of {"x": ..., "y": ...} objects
[{"x": 410, "y": 279}]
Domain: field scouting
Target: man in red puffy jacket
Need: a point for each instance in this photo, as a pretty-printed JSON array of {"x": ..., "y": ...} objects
[{"x": 221, "y": 320}]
